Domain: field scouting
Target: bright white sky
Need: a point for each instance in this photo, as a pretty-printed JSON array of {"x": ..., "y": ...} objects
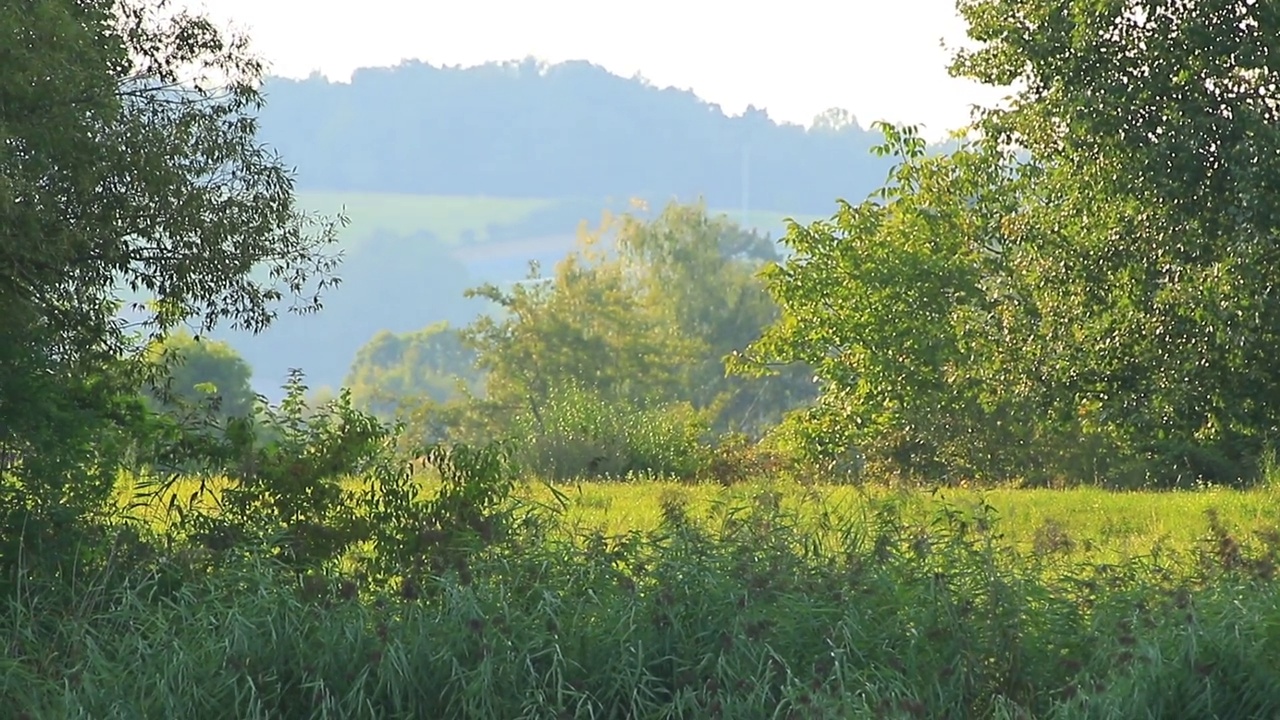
[{"x": 879, "y": 59}]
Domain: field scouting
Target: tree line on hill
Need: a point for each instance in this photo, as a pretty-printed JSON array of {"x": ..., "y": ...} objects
[{"x": 570, "y": 130}]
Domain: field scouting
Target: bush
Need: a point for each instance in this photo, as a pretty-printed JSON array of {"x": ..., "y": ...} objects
[
  {"x": 318, "y": 489},
  {"x": 577, "y": 434},
  {"x": 736, "y": 459}
]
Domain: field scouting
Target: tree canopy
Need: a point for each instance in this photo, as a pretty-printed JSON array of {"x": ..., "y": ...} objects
[
  {"x": 626, "y": 339},
  {"x": 392, "y": 369},
  {"x": 202, "y": 373},
  {"x": 1101, "y": 303},
  {"x": 128, "y": 160}
]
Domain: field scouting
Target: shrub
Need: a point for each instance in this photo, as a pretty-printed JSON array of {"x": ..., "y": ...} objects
[{"x": 577, "y": 434}]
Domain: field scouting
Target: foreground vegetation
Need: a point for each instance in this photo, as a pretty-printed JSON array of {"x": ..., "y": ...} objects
[{"x": 741, "y": 613}]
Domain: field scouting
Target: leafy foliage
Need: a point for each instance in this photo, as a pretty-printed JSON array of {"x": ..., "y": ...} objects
[
  {"x": 627, "y": 329},
  {"x": 393, "y": 370},
  {"x": 748, "y": 613},
  {"x": 982, "y": 313},
  {"x": 578, "y": 434},
  {"x": 1101, "y": 306},
  {"x": 128, "y": 158},
  {"x": 894, "y": 303},
  {"x": 199, "y": 371},
  {"x": 1150, "y": 252}
]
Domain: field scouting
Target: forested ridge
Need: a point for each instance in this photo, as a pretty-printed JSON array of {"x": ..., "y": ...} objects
[
  {"x": 572, "y": 130},
  {"x": 515, "y": 156}
]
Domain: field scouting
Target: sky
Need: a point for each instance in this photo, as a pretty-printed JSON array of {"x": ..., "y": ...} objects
[{"x": 880, "y": 60}]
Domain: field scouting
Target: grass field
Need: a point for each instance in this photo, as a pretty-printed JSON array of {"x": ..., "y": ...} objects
[
  {"x": 657, "y": 600},
  {"x": 753, "y": 602},
  {"x": 450, "y": 217},
  {"x": 1093, "y": 523},
  {"x": 1089, "y": 524},
  {"x": 447, "y": 217}
]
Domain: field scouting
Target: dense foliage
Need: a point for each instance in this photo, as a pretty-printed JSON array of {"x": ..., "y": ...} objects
[
  {"x": 748, "y": 613},
  {"x": 1100, "y": 307},
  {"x": 432, "y": 365},
  {"x": 615, "y": 364},
  {"x": 122, "y": 163},
  {"x": 198, "y": 373}
]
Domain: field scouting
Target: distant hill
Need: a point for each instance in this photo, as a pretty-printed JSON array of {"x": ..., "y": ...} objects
[
  {"x": 573, "y": 130},
  {"x": 455, "y": 177}
]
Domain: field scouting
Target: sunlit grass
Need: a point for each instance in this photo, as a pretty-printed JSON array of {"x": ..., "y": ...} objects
[
  {"x": 1097, "y": 524},
  {"x": 907, "y": 614}
]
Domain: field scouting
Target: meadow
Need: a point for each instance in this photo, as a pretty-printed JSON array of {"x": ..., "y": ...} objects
[
  {"x": 454, "y": 219},
  {"x": 760, "y": 600},
  {"x": 1084, "y": 523}
]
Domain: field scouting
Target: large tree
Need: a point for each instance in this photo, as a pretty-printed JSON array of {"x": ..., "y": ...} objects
[
  {"x": 128, "y": 168},
  {"x": 392, "y": 370},
  {"x": 202, "y": 375},
  {"x": 1104, "y": 300},
  {"x": 631, "y": 333},
  {"x": 1151, "y": 255},
  {"x": 649, "y": 308}
]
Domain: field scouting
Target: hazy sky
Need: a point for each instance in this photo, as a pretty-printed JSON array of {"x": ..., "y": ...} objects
[{"x": 879, "y": 59}]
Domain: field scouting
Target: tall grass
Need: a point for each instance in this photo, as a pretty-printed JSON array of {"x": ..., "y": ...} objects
[{"x": 761, "y": 608}]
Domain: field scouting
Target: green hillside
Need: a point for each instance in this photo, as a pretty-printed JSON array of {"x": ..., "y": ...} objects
[
  {"x": 455, "y": 220},
  {"x": 447, "y": 217}
]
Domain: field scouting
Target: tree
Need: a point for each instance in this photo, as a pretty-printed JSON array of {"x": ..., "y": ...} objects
[
  {"x": 1150, "y": 253},
  {"x": 199, "y": 371},
  {"x": 128, "y": 163},
  {"x": 429, "y": 364},
  {"x": 586, "y": 325},
  {"x": 652, "y": 317},
  {"x": 1100, "y": 302},
  {"x": 703, "y": 273},
  {"x": 836, "y": 120},
  {"x": 631, "y": 336},
  {"x": 892, "y": 302}
]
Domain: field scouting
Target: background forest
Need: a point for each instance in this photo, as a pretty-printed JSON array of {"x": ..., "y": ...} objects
[{"x": 456, "y": 177}]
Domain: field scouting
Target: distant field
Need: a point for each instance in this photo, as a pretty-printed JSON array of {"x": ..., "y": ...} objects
[
  {"x": 1088, "y": 524},
  {"x": 1092, "y": 524},
  {"x": 448, "y": 217},
  {"x": 451, "y": 217}
]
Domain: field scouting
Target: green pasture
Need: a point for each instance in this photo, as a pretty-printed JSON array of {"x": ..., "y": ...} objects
[
  {"x": 449, "y": 217},
  {"x": 1099, "y": 524},
  {"x": 1089, "y": 524}
]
